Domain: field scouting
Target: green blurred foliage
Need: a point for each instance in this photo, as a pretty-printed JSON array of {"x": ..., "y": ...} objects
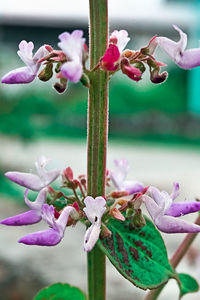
[{"x": 141, "y": 111}]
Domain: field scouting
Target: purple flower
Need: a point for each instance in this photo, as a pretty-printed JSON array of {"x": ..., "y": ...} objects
[
  {"x": 35, "y": 182},
  {"x": 28, "y": 73},
  {"x": 34, "y": 215},
  {"x": 164, "y": 212},
  {"x": 118, "y": 177},
  {"x": 186, "y": 59},
  {"x": 94, "y": 210},
  {"x": 54, "y": 235},
  {"x": 73, "y": 46}
]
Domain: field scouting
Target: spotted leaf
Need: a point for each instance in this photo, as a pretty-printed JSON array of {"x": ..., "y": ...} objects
[{"x": 138, "y": 254}]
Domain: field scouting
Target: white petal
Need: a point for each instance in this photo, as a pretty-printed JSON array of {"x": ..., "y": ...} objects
[{"x": 91, "y": 237}]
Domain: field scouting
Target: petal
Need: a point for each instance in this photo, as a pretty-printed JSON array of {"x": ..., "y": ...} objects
[
  {"x": 190, "y": 59},
  {"x": 95, "y": 208},
  {"x": 162, "y": 198},
  {"x": 25, "y": 52},
  {"x": 61, "y": 222},
  {"x": 122, "y": 38},
  {"x": 110, "y": 57},
  {"x": 174, "y": 49},
  {"x": 152, "y": 207},
  {"x": 175, "y": 191},
  {"x": 170, "y": 224},
  {"x": 20, "y": 75},
  {"x": 133, "y": 186},
  {"x": 119, "y": 174},
  {"x": 72, "y": 70},
  {"x": 50, "y": 176},
  {"x": 91, "y": 237},
  {"x": 40, "y": 200},
  {"x": 72, "y": 44},
  {"x": 49, "y": 237},
  {"x": 48, "y": 215},
  {"x": 178, "y": 209},
  {"x": 40, "y": 53},
  {"x": 30, "y": 181},
  {"x": 26, "y": 218},
  {"x": 151, "y": 47}
]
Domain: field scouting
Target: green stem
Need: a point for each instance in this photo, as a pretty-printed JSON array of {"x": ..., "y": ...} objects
[
  {"x": 97, "y": 135},
  {"x": 176, "y": 258}
]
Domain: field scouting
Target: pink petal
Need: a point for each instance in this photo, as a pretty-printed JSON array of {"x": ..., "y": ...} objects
[
  {"x": 72, "y": 44},
  {"x": 190, "y": 59},
  {"x": 49, "y": 237},
  {"x": 72, "y": 70},
  {"x": 50, "y": 176},
  {"x": 20, "y": 75},
  {"x": 110, "y": 57},
  {"x": 175, "y": 191},
  {"x": 133, "y": 187},
  {"x": 26, "y": 218},
  {"x": 178, "y": 209},
  {"x": 28, "y": 180},
  {"x": 170, "y": 224},
  {"x": 40, "y": 200}
]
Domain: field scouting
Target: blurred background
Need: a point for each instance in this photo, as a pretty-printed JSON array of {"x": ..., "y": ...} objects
[{"x": 156, "y": 127}]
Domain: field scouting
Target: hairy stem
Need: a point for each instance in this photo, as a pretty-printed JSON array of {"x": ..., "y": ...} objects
[
  {"x": 97, "y": 135},
  {"x": 176, "y": 258}
]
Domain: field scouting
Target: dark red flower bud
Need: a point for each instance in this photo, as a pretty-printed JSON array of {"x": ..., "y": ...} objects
[
  {"x": 132, "y": 72},
  {"x": 68, "y": 174}
]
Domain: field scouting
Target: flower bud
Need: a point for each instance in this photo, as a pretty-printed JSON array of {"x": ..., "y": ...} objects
[
  {"x": 119, "y": 194},
  {"x": 85, "y": 80},
  {"x": 61, "y": 86},
  {"x": 132, "y": 72},
  {"x": 138, "y": 219},
  {"x": 46, "y": 73},
  {"x": 115, "y": 213},
  {"x": 105, "y": 232},
  {"x": 68, "y": 174}
]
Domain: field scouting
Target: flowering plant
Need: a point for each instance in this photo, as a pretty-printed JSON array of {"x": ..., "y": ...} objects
[{"x": 104, "y": 201}]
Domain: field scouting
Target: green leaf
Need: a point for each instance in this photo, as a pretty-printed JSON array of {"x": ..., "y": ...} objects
[
  {"x": 60, "y": 291},
  {"x": 138, "y": 254},
  {"x": 187, "y": 284}
]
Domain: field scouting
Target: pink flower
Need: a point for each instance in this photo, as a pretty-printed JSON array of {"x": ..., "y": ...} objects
[
  {"x": 164, "y": 211},
  {"x": 35, "y": 182},
  {"x": 54, "y": 235},
  {"x": 118, "y": 177},
  {"x": 26, "y": 74},
  {"x": 73, "y": 46}
]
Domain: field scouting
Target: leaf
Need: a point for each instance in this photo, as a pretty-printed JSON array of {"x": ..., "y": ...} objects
[
  {"x": 187, "y": 284},
  {"x": 138, "y": 254},
  {"x": 60, "y": 291}
]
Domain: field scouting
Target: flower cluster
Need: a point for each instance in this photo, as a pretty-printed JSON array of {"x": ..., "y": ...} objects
[
  {"x": 125, "y": 201},
  {"x": 70, "y": 61},
  {"x": 41, "y": 209}
]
